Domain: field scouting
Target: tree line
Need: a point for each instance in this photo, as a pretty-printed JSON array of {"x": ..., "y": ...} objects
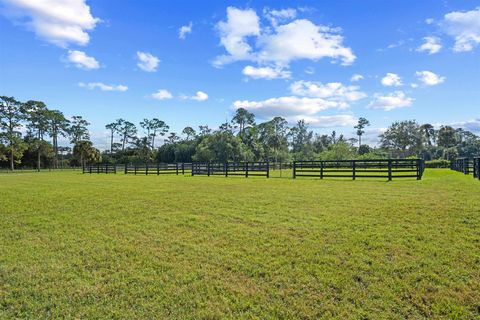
[{"x": 25, "y": 127}]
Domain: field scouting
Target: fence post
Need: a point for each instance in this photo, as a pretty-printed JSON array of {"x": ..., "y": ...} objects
[
  {"x": 389, "y": 169},
  {"x": 193, "y": 172},
  {"x": 225, "y": 167},
  {"x": 418, "y": 169},
  {"x": 353, "y": 169},
  {"x": 294, "y": 169},
  {"x": 126, "y": 166},
  {"x": 208, "y": 169},
  {"x": 268, "y": 169},
  {"x": 246, "y": 170},
  {"x": 176, "y": 167},
  {"x": 183, "y": 168}
]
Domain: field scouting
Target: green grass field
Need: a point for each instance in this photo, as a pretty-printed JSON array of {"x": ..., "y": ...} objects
[{"x": 116, "y": 246}]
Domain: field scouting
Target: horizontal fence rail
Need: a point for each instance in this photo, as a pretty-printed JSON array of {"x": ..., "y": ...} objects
[
  {"x": 353, "y": 169},
  {"x": 158, "y": 169},
  {"x": 99, "y": 168},
  {"x": 246, "y": 169},
  {"x": 464, "y": 165}
]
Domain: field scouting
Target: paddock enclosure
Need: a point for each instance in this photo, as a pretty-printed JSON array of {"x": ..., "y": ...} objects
[
  {"x": 387, "y": 169},
  {"x": 467, "y": 166},
  {"x": 353, "y": 169}
]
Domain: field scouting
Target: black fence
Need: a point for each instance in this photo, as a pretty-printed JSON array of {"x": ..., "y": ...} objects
[
  {"x": 476, "y": 168},
  {"x": 99, "y": 168},
  {"x": 246, "y": 169},
  {"x": 158, "y": 169},
  {"x": 353, "y": 169},
  {"x": 464, "y": 165}
]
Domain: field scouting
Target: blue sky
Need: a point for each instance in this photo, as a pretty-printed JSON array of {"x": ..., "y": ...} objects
[{"x": 297, "y": 59}]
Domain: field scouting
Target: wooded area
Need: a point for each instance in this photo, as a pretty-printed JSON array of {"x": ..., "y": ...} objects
[{"x": 24, "y": 128}]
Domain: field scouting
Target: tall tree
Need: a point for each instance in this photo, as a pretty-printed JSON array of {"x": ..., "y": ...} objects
[
  {"x": 37, "y": 116},
  {"x": 11, "y": 115},
  {"x": 243, "y": 118},
  {"x": 114, "y": 128},
  {"x": 78, "y": 130},
  {"x": 446, "y": 137},
  {"x": 362, "y": 123},
  {"x": 428, "y": 132},
  {"x": 403, "y": 138},
  {"x": 58, "y": 125},
  {"x": 128, "y": 131},
  {"x": 189, "y": 132},
  {"x": 158, "y": 128},
  {"x": 172, "y": 138}
]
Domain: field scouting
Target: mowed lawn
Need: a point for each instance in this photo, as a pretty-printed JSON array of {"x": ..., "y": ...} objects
[{"x": 116, "y": 246}]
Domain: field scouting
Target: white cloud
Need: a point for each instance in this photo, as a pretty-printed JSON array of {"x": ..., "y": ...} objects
[
  {"x": 276, "y": 16},
  {"x": 184, "y": 30},
  {"x": 265, "y": 72},
  {"x": 391, "y": 79},
  {"x": 429, "y": 21},
  {"x": 414, "y": 85},
  {"x": 162, "y": 94},
  {"x": 301, "y": 39},
  {"x": 81, "y": 60},
  {"x": 57, "y": 21},
  {"x": 233, "y": 32},
  {"x": 103, "y": 87},
  {"x": 334, "y": 91},
  {"x": 279, "y": 44},
  {"x": 147, "y": 62},
  {"x": 395, "y": 100},
  {"x": 472, "y": 125},
  {"x": 429, "y": 78},
  {"x": 431, "y": 45},
  {"x": 340, "y": 120},
  {"x": 464, "y": 27},
  {"x": 287, "y": 106},
  {"x": 200, "y": 96},
  {"x": 356, "y": 77}
]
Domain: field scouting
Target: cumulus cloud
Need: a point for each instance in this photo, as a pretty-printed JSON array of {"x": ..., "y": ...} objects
[
  {"x": 287, "y": 106},
  {"x": 244, "y": 39},
  {"x": 57, "y": 21},
  {"x": 239, "y": 25},
  {"x": 391, "y": 80},
  {"x": 339, "y": 120},
  {"x": 472, "y": 125},
  {"x": 431, "y": 45},
  {"x": 266, "y": 73},
  {"x": 184, "y": 30},
  {"x": 464, "y": 27},
  {"x": 276, "y": 16},
  {"x": 103, "y": 86},
  {"x": 81, "y": 60},
  {"x": 334, "y": 91},
  {"x": 162, "y": 94},
  {"x": 397, "y": 99},
  {"x": 200, "y": 96},
  {"x": 429, "y": 78},
  {"x": 147, "y": 62},
  {"x": 356, "y": 77}
]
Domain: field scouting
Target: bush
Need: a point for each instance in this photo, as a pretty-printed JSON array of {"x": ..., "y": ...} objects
[{"x": 437, "y": 164}]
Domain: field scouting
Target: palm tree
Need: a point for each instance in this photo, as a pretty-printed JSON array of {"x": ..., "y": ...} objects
[{"x": 362, "y": 123}]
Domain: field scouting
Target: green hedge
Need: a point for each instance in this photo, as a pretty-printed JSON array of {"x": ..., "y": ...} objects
[{"x": 437, "y": 164}]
